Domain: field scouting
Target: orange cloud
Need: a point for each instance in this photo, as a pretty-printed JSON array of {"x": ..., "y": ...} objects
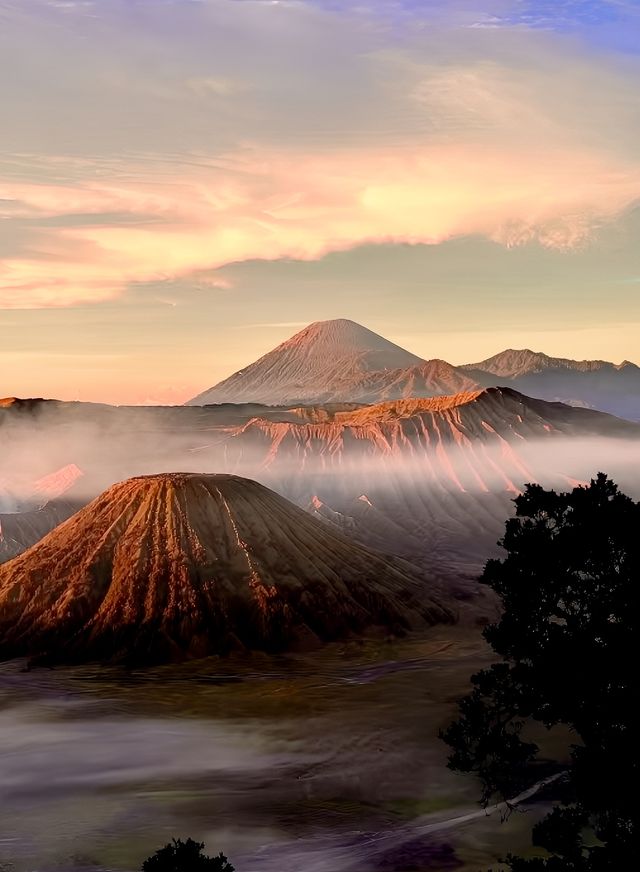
[
  {"x": 289, "y": 131},
  {"x": 275, "y": 205}
]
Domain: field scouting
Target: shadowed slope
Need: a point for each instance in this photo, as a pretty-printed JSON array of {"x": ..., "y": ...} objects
[
  {"x": 610, "y": 387},
  {"x": 518, "y": 362},
  {"x": 188, "y": 565}
]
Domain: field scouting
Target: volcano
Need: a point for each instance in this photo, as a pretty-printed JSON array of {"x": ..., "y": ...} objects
[
  {"x": 180, "y": 565},
  {"x": 319, "y": 364},
  {"x": 439, "y": 475}
]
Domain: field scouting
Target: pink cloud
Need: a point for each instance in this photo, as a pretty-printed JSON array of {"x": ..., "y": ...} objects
[{"x": 271, "y": 205}]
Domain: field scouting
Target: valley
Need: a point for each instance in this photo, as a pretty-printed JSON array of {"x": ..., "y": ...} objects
[{"x": 328, "y": 761}]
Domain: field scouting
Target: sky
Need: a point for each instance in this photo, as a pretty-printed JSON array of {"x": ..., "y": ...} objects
[{"x": 186, "y": 183}]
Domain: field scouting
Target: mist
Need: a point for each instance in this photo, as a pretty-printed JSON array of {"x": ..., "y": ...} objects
[
  {"x": 278, "y": 769},
  {"x": 109, "y": 444},
  {"x": 418, "y": 490}
]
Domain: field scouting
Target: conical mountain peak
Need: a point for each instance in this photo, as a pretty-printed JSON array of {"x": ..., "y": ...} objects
[
  {"x": 185, "y": 564},
  {"x": 320, "y": 363}
]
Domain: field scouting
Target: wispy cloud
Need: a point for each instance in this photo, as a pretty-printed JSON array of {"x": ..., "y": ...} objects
[
  {"x": 291, "y": 131},
  {"x": 274, "y": 206}
]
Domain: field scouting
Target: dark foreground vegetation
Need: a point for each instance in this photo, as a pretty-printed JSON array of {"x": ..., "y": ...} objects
[
  {"x": 568, "y": 640},
  {"x": 188, "y": 856}
]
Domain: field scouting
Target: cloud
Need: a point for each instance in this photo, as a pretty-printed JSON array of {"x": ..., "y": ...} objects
[
  {"x": 272, "y": 206},
  {"x": 291, "y": 132}
]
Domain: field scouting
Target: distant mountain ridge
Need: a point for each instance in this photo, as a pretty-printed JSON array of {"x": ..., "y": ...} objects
[
  {"x": 342, "y": 362},
  {"x": 596, "y": 384},
  {"x": 513, "y": 363}
]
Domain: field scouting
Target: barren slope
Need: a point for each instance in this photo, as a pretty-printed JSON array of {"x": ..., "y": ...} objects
[
  {"x": 609, "y": 387},
  {"x": 315, "y": 365},
  {"x": 428, "y": 379},
  {"x": 432, "y": 479},
  {"x": 188, "y": 565},
  {"x": 472, "y": 439}
]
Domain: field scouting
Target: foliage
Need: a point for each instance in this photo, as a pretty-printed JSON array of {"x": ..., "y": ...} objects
[
  {"x": 179, "y": 856},
  {"x": 567, "y": 639}
]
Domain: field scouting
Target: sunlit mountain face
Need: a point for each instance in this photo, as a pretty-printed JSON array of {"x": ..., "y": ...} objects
[{"x": 193, "y": 565}]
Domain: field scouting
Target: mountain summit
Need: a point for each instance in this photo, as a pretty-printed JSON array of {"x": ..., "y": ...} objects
[
  {"x": 186, "y": 565},
  {"x": 515, "y": 363},
  {"x": 318, "y": 364},
  {"x": 610, "y": 387}
]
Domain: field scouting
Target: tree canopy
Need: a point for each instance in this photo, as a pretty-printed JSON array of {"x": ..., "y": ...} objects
[
  {"x": 179, "y": 856},
  {"x": 566, "y": 638}
]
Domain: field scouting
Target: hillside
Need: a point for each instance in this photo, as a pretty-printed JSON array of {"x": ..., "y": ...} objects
[
  {"x": 187, "y": 565},
  {"x": 449, "y": 435},
  {"x": 431, "y": 378},
  {"x": 431, "y": 479}
]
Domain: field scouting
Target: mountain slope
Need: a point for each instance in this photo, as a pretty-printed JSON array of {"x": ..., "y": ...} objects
[
  {"x": 609, "y": 387},
  {"x": 21, "y": 530},
  {"x": 30, "y": 509},
  {"x": 431, "y": 378},
  {"x": 442, "y": 432},
  {"x": 315, "y": 365},
  {"x": 178, "y": 565},
  {"x": 513, "y": 363},
  {"x": 431, "y": 479}
]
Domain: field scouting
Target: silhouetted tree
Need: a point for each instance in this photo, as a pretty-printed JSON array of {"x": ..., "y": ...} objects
[
  {"x": 179, "y": 856},
  {"x": 568, "y": 639}
]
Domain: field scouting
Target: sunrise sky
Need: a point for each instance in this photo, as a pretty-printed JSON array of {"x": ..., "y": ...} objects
[{"x": 185, "y": 183}]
